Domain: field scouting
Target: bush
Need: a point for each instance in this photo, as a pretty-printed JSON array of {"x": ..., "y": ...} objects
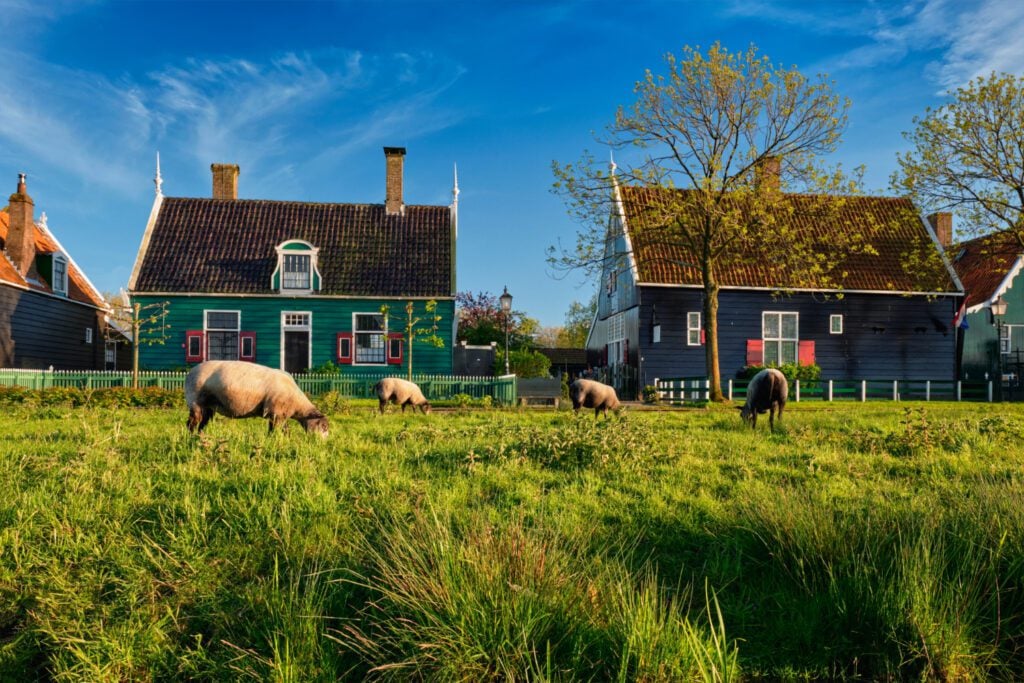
[
  {"x": 116, "y": 397},
  {"x": 523, "y": 363},
  {"x": 651, "y": 394},
  {"x": 808, "y": 375}
]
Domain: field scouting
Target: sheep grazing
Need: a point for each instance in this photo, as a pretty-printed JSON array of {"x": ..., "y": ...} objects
[
  {"x": 240, "y": 389},
  {"x": 766, "y": 392},
  {"x": 401, "y": 392},
  {"x": 586, "y": 393}
]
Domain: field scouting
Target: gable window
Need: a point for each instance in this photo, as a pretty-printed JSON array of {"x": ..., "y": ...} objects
[
  {"x": 835, "y": 324},
  {"x": 222, "y": 328},
  {"x": 60, "y": 275},
  {"x": 693, "y": 328},
  {"x": 371, "y": 338},
  {"x": 296, "y": 271},
  {"x": 780, "y": 334}
]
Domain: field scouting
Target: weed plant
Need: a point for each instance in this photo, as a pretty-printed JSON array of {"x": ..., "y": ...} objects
[{"x": 860, "y": 541}]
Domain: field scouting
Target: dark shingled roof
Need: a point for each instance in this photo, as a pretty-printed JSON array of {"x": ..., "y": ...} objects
[
  {"x": 228, "y": 246},
  {"x": 906, "y": 261},
  {"x": 984, "y": 262}
]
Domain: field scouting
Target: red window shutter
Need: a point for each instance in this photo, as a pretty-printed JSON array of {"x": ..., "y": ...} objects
[
  {"x": 806, "y": 352},
  {"x": 247, "y": 346},
  {"x": 395, "y": 348},
  {"x": 755, "y": 351},
  {"x": 702, "y": 336},
  {"x": 194, "y": 346},
  {"x": 345, "y": 351}
]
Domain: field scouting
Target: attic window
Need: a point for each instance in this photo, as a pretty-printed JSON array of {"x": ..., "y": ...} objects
[
  {"x": 60, "y": 275},
  {"x": 296, "y": 271}
]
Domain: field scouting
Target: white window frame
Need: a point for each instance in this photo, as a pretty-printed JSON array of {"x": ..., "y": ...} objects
[
  {"x": 832, "y": 319},
  {"x": 780, "y": 340},
  {"x": 656, "y": 334},
  {"x": 355, "y": 338},
  {"x": 88, "y": 335},
  {"x": 207, "y": 329},
  {"x": 305, "y": 325},
  {"x": 613, "y": 291},
  {"x": 61, "y": 286},
  {"x": 314, "y": 273},
  {"x": 616, "y": 338},
  {"x": 693, "y": 328},
  {"x": 1006, "y": 338}
]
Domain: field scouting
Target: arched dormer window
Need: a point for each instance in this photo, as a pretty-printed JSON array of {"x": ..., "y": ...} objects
[{"x": 296, "y": 271}]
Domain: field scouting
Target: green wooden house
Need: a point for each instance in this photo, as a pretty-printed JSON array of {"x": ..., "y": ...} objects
[
  {"x": 993, "y": 339},
  {"x": 296, "y": 285}
]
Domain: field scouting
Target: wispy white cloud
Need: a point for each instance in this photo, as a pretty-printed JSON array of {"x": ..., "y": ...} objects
[{"x": 262, "y": 114}]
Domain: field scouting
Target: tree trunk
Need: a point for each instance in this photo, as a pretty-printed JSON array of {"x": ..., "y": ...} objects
[
  {"x": 135, "y": 345},
  {"x": 711, "y": 340}
]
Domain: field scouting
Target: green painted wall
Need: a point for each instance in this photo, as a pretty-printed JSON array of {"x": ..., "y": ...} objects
[
  {"x": 262, "y": 315},
  {"x": 981, "y": 343}
]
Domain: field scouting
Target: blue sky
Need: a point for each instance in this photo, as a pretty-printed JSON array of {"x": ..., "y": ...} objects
[{"x": 304, "y": 96}]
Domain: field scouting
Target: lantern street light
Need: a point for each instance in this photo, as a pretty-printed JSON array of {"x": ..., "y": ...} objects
[
  {"x": 506, "y": 308},
  {"x": 998, "y": 308}
]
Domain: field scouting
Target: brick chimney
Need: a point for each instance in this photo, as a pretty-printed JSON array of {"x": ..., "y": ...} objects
[
  {"x": 942, "y": 224},
  {"x": 394, "y": 156},
  {"x": 767, "y": 173},
  {"x": 21, "y": 241},
  {"x": 225, "y": 181}
]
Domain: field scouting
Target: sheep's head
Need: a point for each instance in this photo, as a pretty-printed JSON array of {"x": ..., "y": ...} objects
[
  {"x": 315, "y": 423},
  {"x": 746, "y": 412},
  {"x": 426, "y": 408}
]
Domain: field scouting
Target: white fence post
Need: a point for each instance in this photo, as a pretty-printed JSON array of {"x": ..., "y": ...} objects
[
  {"x": 959, "y": 390},
  {"x": 927, "y": 390},
  {"x": 863, "y": 390},
  {"x": 707, "y": 389},
  {"x": 895, "y": 390},
  {"x": 730, "y": 389},
  {"x": 797, "y": 383},
  {"x": 830, "y": 390}
]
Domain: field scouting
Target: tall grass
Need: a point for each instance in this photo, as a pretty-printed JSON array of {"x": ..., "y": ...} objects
[{"x": 871, "y": 542}]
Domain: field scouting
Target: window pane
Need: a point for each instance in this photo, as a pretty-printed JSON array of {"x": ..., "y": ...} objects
[
  {"x": 194, "y": 346},
  {"x": 837, "y": 324},
  {"x": 370, "y": 348},
  {"x": 771, "y": 326},
  {"x": 693, "y": 337},
  {"x": 222, "y": 345},
  {"x": 771, "y": 353},
  {"x": 369, "y": 322},
  {"x": 788, "y": 352},
  {"x": 788, "y": 325},
  {"x": 296, "y": 272},
  {"x": 222, "y": 320}
]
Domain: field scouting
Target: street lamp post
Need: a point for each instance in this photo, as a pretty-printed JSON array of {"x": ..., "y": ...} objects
[
  {"x": 506, "y": 308},
  {"x": 998, "y": 308}
]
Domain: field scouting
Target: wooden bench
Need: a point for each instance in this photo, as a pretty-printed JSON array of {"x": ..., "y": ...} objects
[{"x": 545, "y": 390}]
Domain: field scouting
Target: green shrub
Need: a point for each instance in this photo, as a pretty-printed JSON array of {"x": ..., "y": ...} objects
[
  {"x": 523, "y": 363},
  {"x": 809, "y": 375}
]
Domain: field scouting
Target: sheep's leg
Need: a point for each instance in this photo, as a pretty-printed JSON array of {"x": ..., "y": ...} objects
[
  {"x": 207, "y": 416},
  {"x": 753, "y": 419},
  {"x": 195, "y": 414},
  {"x": 771, "y": 418},
  {"x": 382, "y": 404}
]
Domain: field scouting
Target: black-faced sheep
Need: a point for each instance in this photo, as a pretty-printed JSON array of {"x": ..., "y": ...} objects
[
  {"x": 401, "y": 392},
  {"x": 241, "y": 389},
  {"x": 766, "y": 392},
  {"x": 586, "y": 393}
]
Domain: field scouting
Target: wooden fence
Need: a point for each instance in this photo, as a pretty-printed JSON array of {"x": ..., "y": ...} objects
[
  {"x": 435, "y": 387},
  {"x": 691, "y": 389}
]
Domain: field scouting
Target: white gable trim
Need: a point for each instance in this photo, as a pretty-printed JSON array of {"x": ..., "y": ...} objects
[
  {"x": 144, "y": 245},
  {"x": 71, "y": 263},
  {"x": 620, "y": 211},
  {"x": 1006, "y": 284}
]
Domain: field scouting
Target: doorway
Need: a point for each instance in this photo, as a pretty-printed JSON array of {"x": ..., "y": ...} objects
[{"x": 296, "y": 329}]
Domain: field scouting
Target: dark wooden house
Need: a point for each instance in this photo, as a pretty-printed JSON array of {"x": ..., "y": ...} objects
[
  {"x": 297, "y": 285},
  {"x": 50, "y": 314},
  {"x": 890, "y": 319}
]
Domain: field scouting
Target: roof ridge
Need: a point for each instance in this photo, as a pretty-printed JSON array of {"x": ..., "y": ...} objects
[{"x": 300, "y": 202}]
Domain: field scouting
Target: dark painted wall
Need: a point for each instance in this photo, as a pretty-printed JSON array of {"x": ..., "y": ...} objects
[
  {"x": 885, "y": 336},
  {"x": 37, "y": 331}
]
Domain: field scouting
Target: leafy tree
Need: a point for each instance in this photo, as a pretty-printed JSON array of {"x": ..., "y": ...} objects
[
  {"x": 523, "y": 363},
  {"x": 968, "y": 157},
  {"x": 481, "y": 321},
  {"x": 706, "y": 135},
  {"x": 420, "y": 327},
  {"x": 549, "y": 337},
  {"x": 577, "y": 324}
]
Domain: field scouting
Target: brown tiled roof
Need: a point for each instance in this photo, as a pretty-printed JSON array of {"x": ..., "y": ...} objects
[
  {"x": 79, "y": 288},
  {"x": 906, "y": 260},
  {"x": 228, "y": 246},
  {"x": 983, "y": 263}
]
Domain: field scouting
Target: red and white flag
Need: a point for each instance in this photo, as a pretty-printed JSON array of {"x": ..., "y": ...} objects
[{"x": 960, "y": 319}]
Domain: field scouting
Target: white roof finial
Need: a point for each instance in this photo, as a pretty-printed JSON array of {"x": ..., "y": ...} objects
[
  {"x": 455, "y": 187},
  {"x": 42, "y": 221},
  {"x": 611, "y": 161},
  {"x": 158, "y": 180}
]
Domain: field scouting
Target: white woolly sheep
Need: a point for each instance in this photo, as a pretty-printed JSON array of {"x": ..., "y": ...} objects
[
  {"x": 401, "y": 392},
  {"x": 586, "y": 393},
  {"x": 241, "y": 389},
  {"x": 766, "y": 392}
]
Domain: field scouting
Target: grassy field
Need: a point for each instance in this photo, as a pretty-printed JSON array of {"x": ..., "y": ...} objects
[{"x": 865, "y": 541}]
